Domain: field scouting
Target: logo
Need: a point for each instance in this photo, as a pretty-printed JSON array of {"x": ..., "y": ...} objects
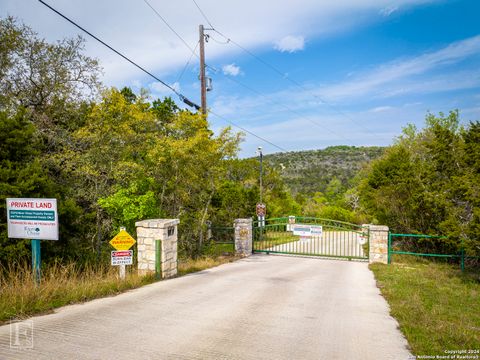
[
  {"x": 21, "y": 335},
  {"x": 32, "y": 230}
]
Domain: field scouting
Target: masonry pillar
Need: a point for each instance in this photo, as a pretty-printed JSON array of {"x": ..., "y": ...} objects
[
  {"x": 378, "y": 238},
  {"x": 243, "y": 236},
  {"x": 157, "y": 246}
]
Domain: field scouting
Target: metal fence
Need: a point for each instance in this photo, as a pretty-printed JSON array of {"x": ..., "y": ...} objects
[{"x": 428, "y": 246}]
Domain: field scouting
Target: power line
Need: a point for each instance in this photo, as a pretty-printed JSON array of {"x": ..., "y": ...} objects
[
  {"x": 293, "y": 81},
  {"x": 182, "y": 97},
  {"x": 203, "y": 14},
  {"x": 248, "y": 131},
  {"x": 169, "y": 26},
  {"x": 288, "y": 109},
  {"x": 188, "y": 62},
  {"x": 279, "y": 72}
]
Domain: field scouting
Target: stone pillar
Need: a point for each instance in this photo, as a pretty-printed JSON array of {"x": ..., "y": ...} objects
[
  {"x": 243, "y": 236},
  {"x": 148, "y": 233},
  {"x": 378, "y": 238}
]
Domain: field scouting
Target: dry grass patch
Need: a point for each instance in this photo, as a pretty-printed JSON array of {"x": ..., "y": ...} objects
[{"x": 61, "y": 285}]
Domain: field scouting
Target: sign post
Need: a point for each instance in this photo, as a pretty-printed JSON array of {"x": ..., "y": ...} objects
[
  {"x": 35, "y": 219},
  {"x": 122, "y": 242}
]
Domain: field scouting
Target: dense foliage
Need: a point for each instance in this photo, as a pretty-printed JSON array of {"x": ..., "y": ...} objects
[
  {"x": 308, "y": 172},
  {"x": 110, "y": 157},
  {"x": 429, "y": 182}
]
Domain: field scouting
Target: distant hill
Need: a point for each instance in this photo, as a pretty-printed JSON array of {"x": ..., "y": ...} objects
[{"x": 309, "y": 171}]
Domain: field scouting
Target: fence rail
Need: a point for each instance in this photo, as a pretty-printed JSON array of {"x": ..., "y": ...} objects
[{"x": 427, "y": 246}]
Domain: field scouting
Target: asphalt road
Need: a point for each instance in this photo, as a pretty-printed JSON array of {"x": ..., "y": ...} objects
[{"x": 261, "y": 307}]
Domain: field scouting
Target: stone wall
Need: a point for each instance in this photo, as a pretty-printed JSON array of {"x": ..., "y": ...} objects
[
  {"x": 378, "y": 243},
  {"x": 243, "y": 236},
  {"x": 161, "y": 233}
]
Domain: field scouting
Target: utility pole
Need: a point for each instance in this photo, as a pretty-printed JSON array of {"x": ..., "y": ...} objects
[{"x": 203, "y": 87}]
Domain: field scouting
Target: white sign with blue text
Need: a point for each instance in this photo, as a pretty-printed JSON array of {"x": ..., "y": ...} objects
[
  {"x": 307, "y": 230},
  {"x": 32, "y": 219}
]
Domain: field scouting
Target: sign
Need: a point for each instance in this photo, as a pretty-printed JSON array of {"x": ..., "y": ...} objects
[
  {"x": 32, "y": 219},
  {"x": 122, "y": 241},
  {"x": 362, "y": 239},
  {"x": 261, "y": 210},
  {"x": 307, "y": 230},
  {"x": 123, "y": 257}
]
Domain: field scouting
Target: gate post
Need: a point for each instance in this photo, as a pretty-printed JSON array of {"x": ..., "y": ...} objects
[
  {"x": 243, "y": 236},
  {"x": 378, "y": 243},
  {"x": 157, "y": 247}
]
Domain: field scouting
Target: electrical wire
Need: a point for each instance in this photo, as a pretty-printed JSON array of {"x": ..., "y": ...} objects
[
  {"x": 203, "y": 14},
  {"x": 248, "y": 131},
  {"x": 282, "y": 74},
  {"x": 170, "y": 27},
  {"x": 293, "y": 81},
  {"x": 288, "y": 109},
  {"x": 188, "y": 62},
  {"x": 182, "y": 97}
]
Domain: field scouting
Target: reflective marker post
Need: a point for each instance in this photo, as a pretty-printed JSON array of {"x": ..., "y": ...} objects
[{"x": 36, "y": 260}]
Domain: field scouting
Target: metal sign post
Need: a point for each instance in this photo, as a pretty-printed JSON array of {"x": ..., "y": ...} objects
[
  {"x": 122, "y": 242},
  {"x": 36, "y": 260}
]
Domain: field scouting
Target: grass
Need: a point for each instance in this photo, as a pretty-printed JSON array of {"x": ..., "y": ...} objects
[
  {"x": 274, "y": 239},
  {"x": 62, "y": 285},
  {"x": 436, "y": 305}
]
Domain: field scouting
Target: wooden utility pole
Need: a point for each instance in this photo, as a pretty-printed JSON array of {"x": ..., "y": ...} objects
[{"x": 203, "y": 87}]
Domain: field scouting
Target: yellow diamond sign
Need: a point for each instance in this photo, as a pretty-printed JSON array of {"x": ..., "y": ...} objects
[{"x": 122, "y": 241}]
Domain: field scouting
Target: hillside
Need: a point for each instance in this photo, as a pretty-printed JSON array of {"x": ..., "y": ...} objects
[{"x": 310, "y": 171}]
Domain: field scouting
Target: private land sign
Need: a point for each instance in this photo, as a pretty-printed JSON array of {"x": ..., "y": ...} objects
[
  {"x": 32, "y": 218},
  {"x": 124, "y": 257},
  {"x": 122, "y": 241}
]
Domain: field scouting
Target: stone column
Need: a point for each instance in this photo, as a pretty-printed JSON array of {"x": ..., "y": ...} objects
[
  {"x": 161, "y": 233},
  {"x": 378, "y": 243},
  {"x": 243, "y": 236}
]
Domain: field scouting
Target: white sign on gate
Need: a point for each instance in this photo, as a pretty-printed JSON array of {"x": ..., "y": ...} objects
[
  {"x": 32, "y": 219},
  {"x": 307, "y": 230}
]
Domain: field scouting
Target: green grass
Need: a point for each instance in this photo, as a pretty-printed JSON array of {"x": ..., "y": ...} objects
[
  {"x": 274, "y": 238},
  {"x": 436, "y": 305}
]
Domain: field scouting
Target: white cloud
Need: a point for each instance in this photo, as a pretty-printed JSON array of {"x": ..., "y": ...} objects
[
  {"x": 231, "y": 69},
  {"x": 381, "y": 109},
  {"x": 389, "y": 10},
  {"x": 160, "y": 89},
  {"x": 134, "y": 29},
  {"x": 377, "y": 81},
  {"x": 290, "y": 44}
]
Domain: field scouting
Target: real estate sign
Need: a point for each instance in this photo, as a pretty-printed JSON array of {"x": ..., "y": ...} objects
[{"x": 32, "y": 219}]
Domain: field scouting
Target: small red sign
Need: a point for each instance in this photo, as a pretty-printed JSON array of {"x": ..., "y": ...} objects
[{"x": 261, "y": 209}]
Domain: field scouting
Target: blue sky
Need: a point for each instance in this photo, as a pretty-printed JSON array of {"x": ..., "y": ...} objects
[{"x": 354, "y": 71}]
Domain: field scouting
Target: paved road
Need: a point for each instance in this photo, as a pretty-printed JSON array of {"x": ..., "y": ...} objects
[{"x": 262, "y": 307}]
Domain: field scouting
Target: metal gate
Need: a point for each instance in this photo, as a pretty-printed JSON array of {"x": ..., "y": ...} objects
[{"x": 311, "y": 236}]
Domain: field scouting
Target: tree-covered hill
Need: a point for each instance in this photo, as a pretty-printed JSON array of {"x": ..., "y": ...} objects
[{"x": 307, "y": 172}]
